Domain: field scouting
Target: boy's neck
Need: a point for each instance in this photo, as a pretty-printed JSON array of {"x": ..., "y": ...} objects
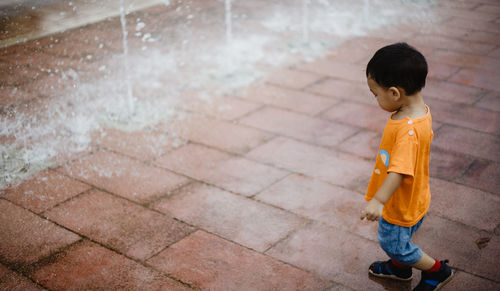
[{"x": 412, "y": 106}]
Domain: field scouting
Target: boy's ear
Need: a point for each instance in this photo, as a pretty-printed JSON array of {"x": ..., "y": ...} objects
[{"x": 395, "y": 93}]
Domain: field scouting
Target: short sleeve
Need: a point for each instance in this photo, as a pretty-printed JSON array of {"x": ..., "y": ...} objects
[{"x": 404, "y": 153}]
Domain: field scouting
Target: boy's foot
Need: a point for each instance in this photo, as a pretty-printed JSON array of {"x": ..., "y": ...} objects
[
  {"x": 435, "y": 280},
  {"x": 388, "y": 270}
]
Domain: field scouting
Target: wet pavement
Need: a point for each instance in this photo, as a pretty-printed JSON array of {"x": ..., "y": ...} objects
[{"x": 255, "y": 187}]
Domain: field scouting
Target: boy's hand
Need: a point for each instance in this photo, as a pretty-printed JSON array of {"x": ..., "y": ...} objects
[{"x": 373, "y": 210}]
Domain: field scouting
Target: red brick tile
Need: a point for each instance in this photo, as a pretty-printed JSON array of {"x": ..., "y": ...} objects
[
  {"x": 325, "y": 203},
  {"x": 143, "y": 145},
  {"x": 225, "y": 135},
  {"x": 479, "y": 61},
  {"x": 357, "y": 50},
  {"x": 222, "y": 107},
  {"x": 461, "y": 46},
  {"x": 347, "y": 90},
  {"x": 336, "y": 69},
  {"x": 234, "y": 217},
  {"x": 495, "y": 53},
  {"x": 490, "y": 101},
  {"x": 13, "y": 74},
  {"x": 488, "y": 9},
  {"x": 88, "y": 266},
  {"x": 473, "y": 17},
  {"x": 483, "y": 175},
  {"x": 440, "y": 71},
  {"x": 444, "y": 239},
  {"x": 477, "y": 78},
  {"x": 313, "y": 130},
  {"x": 464, "y": 115},
  {"x": 465, "y": 281},
  {"x": 466, "y": 205},
  {"x": 448, "y": 165},
  {"x": 12, "y": 95},
  {"x": 328, "y": 165},
  {"x": 27, "y": 237},
  {"x": 365, "y": 116},
  {"x": 293, "y": 79},
  {"x": 331, "y": 253},
  {"x": 298, "y": 101},
  {"x": 451, "y": 92},
  {"x": 12, "y": 281},
  {"x": 211, "y": 263},
  {"x": 46, "y": 189},
  {"x": 477, "y": 24},
  {"x": 231, "y": 173},
  {"x": 124, "y": 176},
  {"x": 131, "y": 229},
  {"x": 363, "y": 144},
  {"x": 468, "y": 141}
]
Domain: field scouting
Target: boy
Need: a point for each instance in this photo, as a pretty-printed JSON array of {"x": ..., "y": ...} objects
[{"x": 398, "y": 192}]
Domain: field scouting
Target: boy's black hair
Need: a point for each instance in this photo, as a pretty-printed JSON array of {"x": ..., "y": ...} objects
[{"x": 398, "y": 65}]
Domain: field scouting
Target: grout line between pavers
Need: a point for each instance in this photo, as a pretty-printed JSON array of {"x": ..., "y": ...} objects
[{"x": 85, "y": 237}]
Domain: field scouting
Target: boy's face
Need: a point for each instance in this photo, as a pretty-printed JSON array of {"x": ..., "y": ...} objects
[{"x": 387, "y": 98}]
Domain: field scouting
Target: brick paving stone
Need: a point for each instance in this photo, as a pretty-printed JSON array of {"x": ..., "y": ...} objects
[
  {"x": 472, "y": 17},
  {"x": 478, "y": 24},
  {"x": 489, "y": 9},
  {"x": 27, "y": 237},
  {"x": 322, "y": 202},
  {"x": 336, "y": 69},
  {"x": 361, "y": 115},
  {"x": 357, "y": 50},
  {"x": 483, "y": 175},
  {"x": 465, "y": 115},
  {"x": 313, "y": 130},
  {"x": 448, "y": 165},
  {"x": 12, "y": 281},
  {"x": 211, "y": 263},
  {"x": 331, "y": 166},
  {"x": 12, "y": 95},
  {"x": 440, "y": 71},
  {"x": 88, "y": 266},
  {"x": 331, "y": 253},
  {"x": 479, "y": 61},
  {"x": 468, "y": 142},
  {"x": 239, "y": 219},
  {"x": 13, "y": 74},
  {"x": 460, "y": 46},
  {"x": 451, "y": 92},
  {"x": 224, "y": 135},
  {"x": 465, "y": 281},
  {"x": 293, "y": 79},
  {"x": 346, "y": 90},
  {"x": 445, "y": 239},
  {"x": 364, "y": 144},
  {"x": 46, "y": 189},
  {"x": 464, "y": 204},
  {"x": 231, "y": 173},
  {"x": 298, "y": 101},
  {"x": 490, "y": 101},
  {"x": 220, "y": 107},
  {"x": 129, "y": 228},
  {"x": 143, "y": 145},
  {"x": 123, "y": 176},
  {"x": 479, "y": 79}
]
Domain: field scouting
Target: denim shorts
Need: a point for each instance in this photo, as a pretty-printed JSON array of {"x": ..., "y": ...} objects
[{"x": 395, "y": 240}]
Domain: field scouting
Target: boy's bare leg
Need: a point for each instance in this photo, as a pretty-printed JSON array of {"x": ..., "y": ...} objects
[{"x": 425, "y": 263}]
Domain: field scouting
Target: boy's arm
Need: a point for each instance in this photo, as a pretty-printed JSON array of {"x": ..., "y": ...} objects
[{"x": 373, "y": 210}]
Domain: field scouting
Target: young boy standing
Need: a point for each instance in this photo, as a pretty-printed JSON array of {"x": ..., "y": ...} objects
[{"x": 398, "y": 191}]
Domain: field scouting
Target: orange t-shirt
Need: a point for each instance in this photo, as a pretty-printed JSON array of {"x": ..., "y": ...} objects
[{"x": 405, "y": 149}]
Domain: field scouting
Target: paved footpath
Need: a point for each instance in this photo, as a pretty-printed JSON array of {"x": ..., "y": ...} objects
[{"x": 263, "y": 188}]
